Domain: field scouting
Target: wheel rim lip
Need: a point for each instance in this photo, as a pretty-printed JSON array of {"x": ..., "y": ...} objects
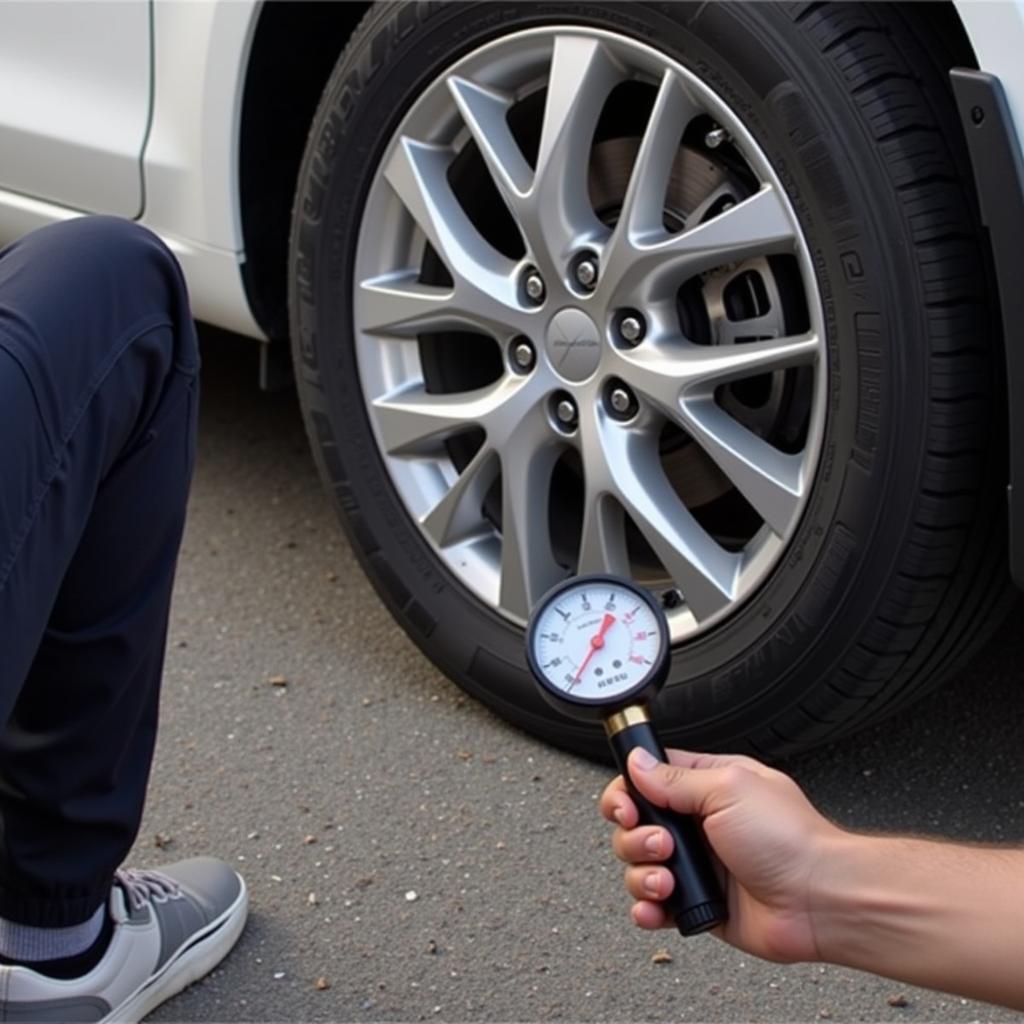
[{"x": 381, "y": 364}]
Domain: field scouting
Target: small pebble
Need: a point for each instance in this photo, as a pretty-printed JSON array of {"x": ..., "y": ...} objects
[
  {"x": 411, "y": 896},
  {"x": 662, "y": 956},
  {"x": 321, "y": 984},
  {"x": 899, "y": 1000}
]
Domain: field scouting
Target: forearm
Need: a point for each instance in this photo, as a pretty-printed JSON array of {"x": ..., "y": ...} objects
[{"x": 929, "y": 913}]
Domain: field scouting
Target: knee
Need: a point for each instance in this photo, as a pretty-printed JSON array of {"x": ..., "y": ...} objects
[
  {"x": 134, "y": 260},
  {"x": 110, "y": 242},
  {"x": 108, "y": 276}
]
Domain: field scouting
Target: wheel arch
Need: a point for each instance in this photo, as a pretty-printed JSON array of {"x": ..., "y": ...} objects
[{"x": 294, "y": 47}]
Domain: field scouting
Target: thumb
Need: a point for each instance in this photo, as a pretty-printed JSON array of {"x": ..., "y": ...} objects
[{"x": 684, "y": 789}]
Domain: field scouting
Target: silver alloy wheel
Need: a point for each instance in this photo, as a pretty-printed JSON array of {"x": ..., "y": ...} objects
[{"x": 507, "y": 549}]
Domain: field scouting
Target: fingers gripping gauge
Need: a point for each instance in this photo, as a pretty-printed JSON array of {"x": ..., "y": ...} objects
[{"x": 599, "y": 648}]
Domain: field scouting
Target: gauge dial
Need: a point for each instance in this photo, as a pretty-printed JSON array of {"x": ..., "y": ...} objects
[{"x": 597, "y": 640}]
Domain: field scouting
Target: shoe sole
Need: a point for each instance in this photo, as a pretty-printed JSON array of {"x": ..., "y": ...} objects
[{"x": 204, "y": 951}]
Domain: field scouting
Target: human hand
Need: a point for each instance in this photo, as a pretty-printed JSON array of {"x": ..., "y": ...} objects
[{"x": 765, "y": 832}]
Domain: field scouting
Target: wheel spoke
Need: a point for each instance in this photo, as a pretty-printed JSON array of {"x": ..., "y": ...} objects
[
  {"x": 770, "y": 479},
  {"x": 582, "y": 75},
  {"x": 412, "y": 422},
  {"x": 643, "y": 208},
  {"x": 485, "y": 113},
  {"x": 528, "y": 566},
  {"x": 648, "y": 268},
  {"x": 603, "y": 537},
  {"x": 667, "y": 373},
  {"x": 703, "y": 570},
  {"x": 754, "y": 227},
  {"x": 418, "y": 172},
  {"x": 459, "y": 516},
  {"x": 398, "y": 305},
  {"x": 715, "y": 365}
]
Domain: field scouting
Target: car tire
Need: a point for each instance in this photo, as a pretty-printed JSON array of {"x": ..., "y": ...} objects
[{"x": 895, "y": 568}]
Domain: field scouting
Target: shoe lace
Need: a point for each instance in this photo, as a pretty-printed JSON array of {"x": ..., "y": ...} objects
[{"x": 141, "y": 886}]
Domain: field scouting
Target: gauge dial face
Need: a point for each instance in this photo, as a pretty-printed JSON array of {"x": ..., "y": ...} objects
[{"x": 596, "y": 641}]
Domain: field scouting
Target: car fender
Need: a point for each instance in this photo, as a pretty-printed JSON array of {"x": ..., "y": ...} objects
[
  {"x": 996, "y": 34},
  {"x": 190, "y": 162}
]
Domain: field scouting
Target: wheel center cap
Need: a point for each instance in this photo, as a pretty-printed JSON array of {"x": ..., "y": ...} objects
[{"x": 573, "y": 344}]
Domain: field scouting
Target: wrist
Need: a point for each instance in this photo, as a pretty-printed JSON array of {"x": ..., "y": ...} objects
[{"x": 828, "y": 890}]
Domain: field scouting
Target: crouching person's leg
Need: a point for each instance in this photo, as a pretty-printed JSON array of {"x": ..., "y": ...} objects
[{"x": 98, "y": 398}]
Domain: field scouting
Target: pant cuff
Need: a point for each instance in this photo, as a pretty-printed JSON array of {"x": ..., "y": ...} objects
[{"x": 52, "y": 911}]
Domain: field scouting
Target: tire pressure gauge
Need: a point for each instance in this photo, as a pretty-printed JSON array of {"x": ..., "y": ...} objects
[{"x": 599, "y": 647}]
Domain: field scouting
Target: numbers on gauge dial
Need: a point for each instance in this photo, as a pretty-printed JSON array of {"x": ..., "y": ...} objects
[{"x": 597, "y": 642}]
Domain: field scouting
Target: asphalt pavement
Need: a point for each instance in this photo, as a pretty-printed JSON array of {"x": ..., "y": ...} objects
[{"x": 412, "y": 857}]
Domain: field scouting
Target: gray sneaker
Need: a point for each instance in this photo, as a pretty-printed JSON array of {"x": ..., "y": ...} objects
[{"x": 171, "y": 926}]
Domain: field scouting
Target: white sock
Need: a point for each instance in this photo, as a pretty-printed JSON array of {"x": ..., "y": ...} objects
[{"x": 26, "y": 942}]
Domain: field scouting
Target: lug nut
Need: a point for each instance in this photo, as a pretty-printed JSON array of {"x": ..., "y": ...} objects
[
  {"x": 586, "y": 273},
  {"x": 535, "y": 286},
  {"x": 566, "y": 412},
  {"x": 620, "y": 400},
  {"x": 632, "y": 328},
  {"x": 715, "y": 138},
  {"x": 522, "y": 354}
]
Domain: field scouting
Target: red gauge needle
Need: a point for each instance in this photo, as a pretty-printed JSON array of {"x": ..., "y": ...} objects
[{"x": 596, "y": 642}]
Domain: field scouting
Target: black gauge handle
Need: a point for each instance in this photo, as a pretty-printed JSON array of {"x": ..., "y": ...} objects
[{"x": 696, "y": 903}]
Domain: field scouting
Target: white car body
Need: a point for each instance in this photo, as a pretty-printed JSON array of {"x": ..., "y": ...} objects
[
  {"x": 174, "y": 74},
  {"x": 133, "y": 108}
]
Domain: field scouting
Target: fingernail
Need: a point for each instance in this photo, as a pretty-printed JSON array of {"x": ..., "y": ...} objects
[
  {"x": 619, "y": 815},
  {"x": 642, "y": 760},
  {"x": 652, "y": 844},
  {"x": 651, "y": 883}
]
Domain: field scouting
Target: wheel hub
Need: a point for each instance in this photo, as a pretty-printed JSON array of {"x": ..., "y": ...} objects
[{"x": 573, "y": 345}]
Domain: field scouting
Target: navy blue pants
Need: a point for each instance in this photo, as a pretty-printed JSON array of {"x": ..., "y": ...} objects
[{"x": 98, "y": 398}]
